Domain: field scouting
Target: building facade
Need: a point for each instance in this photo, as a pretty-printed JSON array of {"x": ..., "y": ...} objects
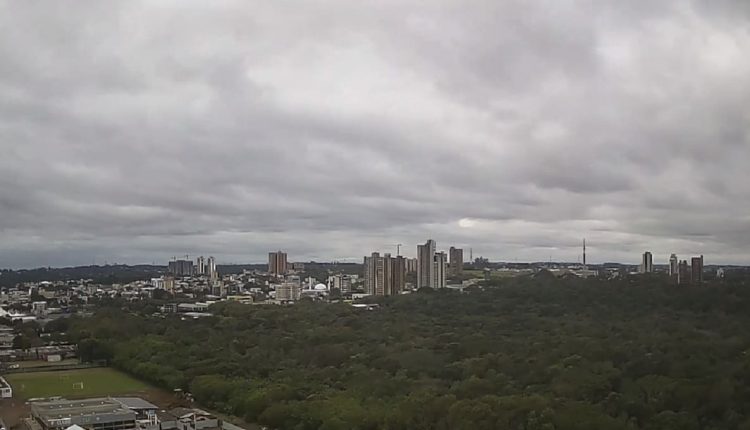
[{"x": 277, "y": 264}]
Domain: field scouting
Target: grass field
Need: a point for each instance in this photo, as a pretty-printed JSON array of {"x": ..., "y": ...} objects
[{"x": 96, "y": 382}]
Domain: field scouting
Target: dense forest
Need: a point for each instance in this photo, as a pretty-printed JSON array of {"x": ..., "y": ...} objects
[{"x": 531, "y": 354}]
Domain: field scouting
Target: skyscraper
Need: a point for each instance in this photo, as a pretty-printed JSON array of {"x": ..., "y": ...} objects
[
  {"x": 696, "y": 270},
  {"x": 200, "y": 266},
  {"x": 456, "y": 261},
  {"x": 673, "y": 265},
  {"x": 647, "y": 263},
  {"x": 277, "y": 264},
  {"x": 439, "y": 267},
  {"x": 426, "y": 265}
]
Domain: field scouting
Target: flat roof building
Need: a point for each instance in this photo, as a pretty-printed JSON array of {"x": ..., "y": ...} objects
[{"x": 90, "y": 414}]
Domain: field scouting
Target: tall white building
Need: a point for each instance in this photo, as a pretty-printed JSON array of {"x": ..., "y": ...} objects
[{"x": 426, "y": 265}]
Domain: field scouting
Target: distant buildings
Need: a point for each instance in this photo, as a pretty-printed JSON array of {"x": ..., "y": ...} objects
[
  {"x": 342, "y": 283},
  {"x": 384, "y": 276},
  {"x": 181, "y": 268},
  {"x": 431, "y": 266},
  {"x": 456, "y": 261},
  {"x": 673, "y": 265},
  {"x": 683, "y": 273},
  {"x": 288, "y": 291},
  {"x": 277, "y": 264},
  {"x": 647, "y": 263}
]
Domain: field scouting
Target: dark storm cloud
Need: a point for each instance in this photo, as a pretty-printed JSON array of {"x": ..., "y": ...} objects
[{"x": 135, "y": 131}]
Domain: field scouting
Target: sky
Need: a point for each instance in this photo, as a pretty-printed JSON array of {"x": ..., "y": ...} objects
[{"x": 136, "y": 131}]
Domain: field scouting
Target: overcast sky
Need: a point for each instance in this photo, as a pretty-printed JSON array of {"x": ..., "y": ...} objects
[{"x": 136, "y": 131}]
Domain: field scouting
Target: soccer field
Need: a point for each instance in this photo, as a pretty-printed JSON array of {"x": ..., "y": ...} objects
[{"x": 74, "y": 383}]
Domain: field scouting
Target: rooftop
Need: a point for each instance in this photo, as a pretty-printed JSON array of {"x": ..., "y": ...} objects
[{"x": 59, "y": 409}]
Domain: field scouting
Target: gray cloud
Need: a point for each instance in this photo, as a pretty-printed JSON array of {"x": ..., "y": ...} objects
[{"x": 135, "y": 131}]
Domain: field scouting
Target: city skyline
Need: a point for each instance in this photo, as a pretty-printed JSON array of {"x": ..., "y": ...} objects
[{"x": 131, "y": 130}]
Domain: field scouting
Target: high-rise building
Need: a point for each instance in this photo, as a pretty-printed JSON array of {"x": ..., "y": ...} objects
[
  {"x": 456, "y": 261},
  {"x": 411, "y": 265},
  {"x": 696, "y": 270},
  {"x": 440, "y": 265},
  {"x": 398, "y": 276},
  {"x": 683, "y": 273},
  {"x": 673, "y": 265},
  {"x": 277, "y": 264},
  {"x": 211, "y": 269},
  {"x": 647, "y": 263},
  {"x": 181, "y": 268},
  {"x": 384, "y": 276},
  {"x": 426, "y": 265},
  {"x": 200, "y": 266}
]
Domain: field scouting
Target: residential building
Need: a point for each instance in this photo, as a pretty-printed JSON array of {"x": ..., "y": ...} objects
[
  {"x": 397, "y": 276},
  {"x": 647, "y": 263},
  {"x": 456, "y": 261},
  {"x": 673, "y": 265},
  {"x": 683, "y": 273},
  {"x": 277, "y": 264},
  {"x": 211, "y": 269},
  {"x": 696, "y": 270},
  {"x": 288, "y": 292},
  {"x": 384, "y": 276},
  {"x": 200, "y": 266},
  {"x": 181, "y": 268},
  {"x": 440, "y": 265},
  {"x": 426, "y": 265},
  {"x": 411, "y": 265}
]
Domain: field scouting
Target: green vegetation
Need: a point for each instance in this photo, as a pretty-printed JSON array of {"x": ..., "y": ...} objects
[
  {"x": 526, "y": 354},
  {"x": 96, "y": 382}
]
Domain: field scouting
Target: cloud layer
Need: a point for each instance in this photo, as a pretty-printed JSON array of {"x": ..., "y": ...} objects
[{"x": 135, "y": 131}]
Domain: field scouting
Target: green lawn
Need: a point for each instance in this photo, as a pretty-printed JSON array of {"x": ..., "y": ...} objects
[{"x": 96, "y": 382}]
